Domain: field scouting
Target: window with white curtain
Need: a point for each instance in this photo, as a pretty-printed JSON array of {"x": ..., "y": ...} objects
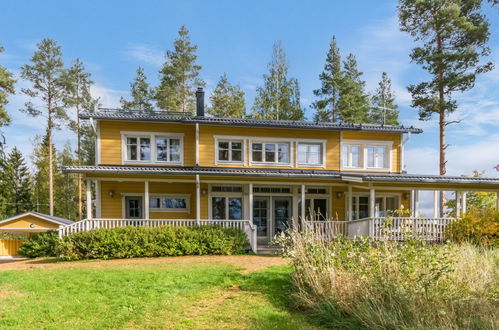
[
  {"x": 365, "y": 155},
  {"x": 310, "y": 154}
]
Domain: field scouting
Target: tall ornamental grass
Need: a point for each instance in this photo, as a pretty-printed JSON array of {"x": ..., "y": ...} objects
[{"x": 391, "y": 285}]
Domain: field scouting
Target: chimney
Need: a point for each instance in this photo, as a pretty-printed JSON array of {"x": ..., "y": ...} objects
[{"x": 200, "y": 102}]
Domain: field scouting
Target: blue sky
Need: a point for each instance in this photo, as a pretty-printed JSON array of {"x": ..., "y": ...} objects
[{"x": 114, "y": 37}]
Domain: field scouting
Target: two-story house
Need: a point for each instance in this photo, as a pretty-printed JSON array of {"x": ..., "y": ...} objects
[{"x": 166, "y": 166}]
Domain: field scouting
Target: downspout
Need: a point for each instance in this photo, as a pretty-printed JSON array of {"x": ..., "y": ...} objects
[{"x": 402, "y": 153}]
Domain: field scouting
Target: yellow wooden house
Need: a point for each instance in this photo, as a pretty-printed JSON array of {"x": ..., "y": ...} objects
[{"x": 165, "y": 168}]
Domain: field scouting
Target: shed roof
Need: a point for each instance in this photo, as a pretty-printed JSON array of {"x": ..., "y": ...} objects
[{"x": 51, "y": 218}]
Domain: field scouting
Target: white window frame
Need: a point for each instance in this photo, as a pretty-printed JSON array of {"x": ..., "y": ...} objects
[
  {"x": 356, "y": 195},
  {"x": 322, "y": 144},
  {"x": 152, "y": 136},
  {"x": 230, "y": 139},
  {"x": 363, "y": 154},
  {"x": 226, "y": 195},
  {"x": 187, "y": 198},
  {"x": 276, "y": 142}
]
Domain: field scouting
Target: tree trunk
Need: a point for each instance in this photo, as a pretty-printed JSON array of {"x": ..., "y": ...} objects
[
  {"x": 441, "y": 123},
  {"x": 78, "y": 150},
  {"x": 51, "y": 170}
]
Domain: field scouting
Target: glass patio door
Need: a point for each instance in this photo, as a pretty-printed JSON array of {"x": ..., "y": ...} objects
[
  {"x": 282, "y": 214},
  {"x": 261, "y": 216}
]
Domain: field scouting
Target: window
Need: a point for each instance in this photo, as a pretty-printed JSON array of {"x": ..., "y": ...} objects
[
  {"x": 227, "y": 208},
  {"x": 227, "y": 189},
  {"x": 366, "y": 155},
  {"x": 167, "y": 149},
  {"x": 310, "y": 154},
  {"x": 138, "y": 148},
  {"x": 273, "y": 153},
  {"x": 230, "y": 151},
  {"x": 273, "y": 190},
  {"x": 350, "y": 155},
  {"x": 169, "y": 203},
  {"x": 315, "y": 208},
  {"x": 152, "y": 147}
]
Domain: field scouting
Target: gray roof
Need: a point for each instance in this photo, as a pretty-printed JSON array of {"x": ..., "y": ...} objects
[
  {"x": 290, "y": 173},
  {"x": 162, "y": 116},
  {"x": 42, "y": 216}
]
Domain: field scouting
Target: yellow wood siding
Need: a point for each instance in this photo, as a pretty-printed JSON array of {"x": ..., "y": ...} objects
[
  {"x": 110, "y": 138},
  {"x": 26, "y": 222},
  {"x": 10, "y": 247}
]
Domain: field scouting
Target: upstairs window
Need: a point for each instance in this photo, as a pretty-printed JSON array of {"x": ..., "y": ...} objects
[
  {"x": 230, "y": 151},
  {"x": 310, "y": 154},
  {"x": 167, "y": 149},
  {"x": 138, "y": 148},
  {"x": 270, "y": 153},
  {"x": 373, "y": 155}
]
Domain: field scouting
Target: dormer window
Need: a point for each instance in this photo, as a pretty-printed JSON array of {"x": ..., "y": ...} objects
[{"x": 366, "y": 155}]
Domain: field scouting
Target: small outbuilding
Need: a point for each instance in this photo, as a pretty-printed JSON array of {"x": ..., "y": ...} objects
[{"x": 16, "y": 229}]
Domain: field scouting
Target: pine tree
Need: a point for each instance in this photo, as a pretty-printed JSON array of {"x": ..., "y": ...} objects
[
  {"x": 142, "y": 95},
  {"x": 78, "y": 96},
  {"x": 353, "y": 104},
  {"x": 279, "y": 98},
  {"x": 227, "y": 100},
  {"x": 453, "y": 36},
  {"x": 326, "y": 108},
  {"x": 384, "y": 111},
  {"x": 66, "y": 196},
  {"x": 40, "y": 161},
  {"x": 18, "y": 187},
  {"x": 179, "y": 77},
  {"x": 46, "y": 75},
  {"x": 6, "y": 88}
]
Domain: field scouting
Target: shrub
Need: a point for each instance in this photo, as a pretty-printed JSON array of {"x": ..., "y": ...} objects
[
  {"x": 45, "y": 244},
  {"x": 132, "y": 242},
  {"x": 393, "y": 285},
  {"x": 477, "y": 227}
]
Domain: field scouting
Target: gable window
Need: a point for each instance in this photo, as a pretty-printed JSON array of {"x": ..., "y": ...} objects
[
  {"x": 230, "y": 151},
  {"x": 270, "y": 152},
  {"x": 145, "y": 147},
  {"x": 373, "y": 155},
  {"x": 169, "y": 203},
  {"x": 138, "y": 148},
  {"x": 310, "y": 154}
]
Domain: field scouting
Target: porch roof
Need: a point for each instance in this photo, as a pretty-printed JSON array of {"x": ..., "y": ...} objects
[{"x": 359, "y": 177}]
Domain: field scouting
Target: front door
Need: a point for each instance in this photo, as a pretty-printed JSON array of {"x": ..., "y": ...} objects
[
  {"x": 282, "y": 214},
  {"x": 133, "y": 207},
  {"x": 261, "y": 218}
]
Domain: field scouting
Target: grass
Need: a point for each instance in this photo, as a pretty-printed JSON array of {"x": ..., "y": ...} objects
[{"x": 153, "y": 295}]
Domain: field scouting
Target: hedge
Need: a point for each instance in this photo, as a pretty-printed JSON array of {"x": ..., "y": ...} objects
[
  {"x": 44, "y": 244},
  {"x": 133, "y": 242}
]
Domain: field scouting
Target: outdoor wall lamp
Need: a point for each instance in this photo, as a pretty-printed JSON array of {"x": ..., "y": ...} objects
[
  {"x": 406, "y": 196},
  {"x": 204, "y": 191},
  {"x": 111, "y": 193},
  {"x": 339, "y": 194}
]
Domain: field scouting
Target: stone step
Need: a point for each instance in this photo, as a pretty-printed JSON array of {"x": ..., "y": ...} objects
[{"x": 268, "y": 249}]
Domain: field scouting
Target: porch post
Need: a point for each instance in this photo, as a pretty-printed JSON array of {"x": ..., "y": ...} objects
[
  {"x": 89, "y": 199},
  {"x": 303, "y": 202},
  {"x": 198, "y": 200},
  {"x": 349, "y": 204},
  {"x": 250, "y": 202},
  {"x": 146, "y": 200},
  {"x": 372, "y": 202},
  {"x": 463, "y": 202},
  {"x": 413, "y": 204},
  {"x": 98, "y": 199},
  {"x": 416, "y": 202},
  {"x": 435, "y": 204},
  {"x": 458, "y": 204},
  {"x": 497, "y": 201}
]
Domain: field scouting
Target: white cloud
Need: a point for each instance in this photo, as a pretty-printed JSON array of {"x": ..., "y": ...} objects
[
  {"x": 146, "y": 54},
  {"x": 108, "y": 98}
]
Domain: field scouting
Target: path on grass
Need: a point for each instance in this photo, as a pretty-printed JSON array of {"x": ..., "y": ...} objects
[{"x": 247, "y": 264}]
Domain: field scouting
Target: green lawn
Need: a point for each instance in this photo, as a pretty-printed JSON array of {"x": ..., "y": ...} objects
[{"x": 153, "y": 295}]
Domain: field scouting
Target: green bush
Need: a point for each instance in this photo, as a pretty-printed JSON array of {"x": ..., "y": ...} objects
[
  {"x": 44, "y": 244},
  {"x": 133, "y": 242},
  {"x": 480, "y": 227}
]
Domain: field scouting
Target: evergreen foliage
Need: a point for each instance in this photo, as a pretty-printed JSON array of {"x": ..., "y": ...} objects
[
  {"x": 227, "y": 100},
  {"x": 353, "y": 104},
  {"x": 17, "y": 189},
  {"x": 46, "y": 74},
  {"x": 142, "y": 95},
  {"x": 279, "y": 98},
  {"x": 67, "y": 193},
  {"x": 40, "y": 161},
  {"x": 384, "y": 111},
  {"x": 326, "y": 107},
  {"x": 6, "y": 87},
  {"x": 179, "y": 77}
]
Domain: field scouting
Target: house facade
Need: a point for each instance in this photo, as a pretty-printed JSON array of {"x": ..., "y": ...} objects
[{"x": 154, "y": 166}]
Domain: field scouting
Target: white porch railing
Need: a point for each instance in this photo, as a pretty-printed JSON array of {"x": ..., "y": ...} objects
[
  {"x": 90, "y": 224},
  {"x": 396, "y": 228}
]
